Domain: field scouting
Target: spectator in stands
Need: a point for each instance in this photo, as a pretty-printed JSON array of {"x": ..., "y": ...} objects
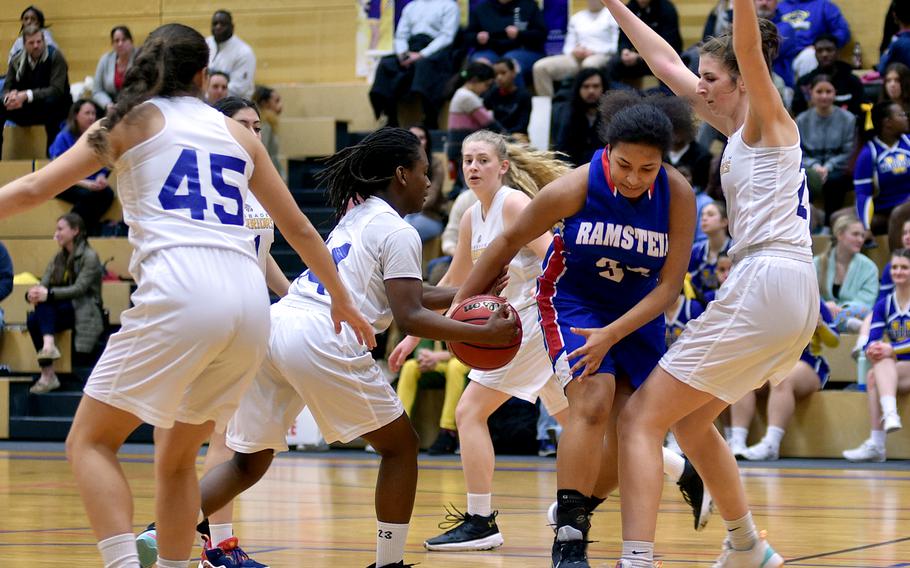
[
  {"x": 507, "y": 28},
  {"x": 429, "y": 222},
  {"x": 433, "y": 360},
  {"x": 422, "y": 62},
  {"x": 466, "y": 111},
  {"x": 890, "y": 374},
  {"x": 216, "y": 87},
  {"x": 847, "y": 280},
  {"x": 270, "y": 107},
  {"x": 889, "y": 28},
  {"x": 68, "y": 297},
  {"x": 6, "y": 278},
  {"x": 799, "y": 23},
  {"x": 661, "y": 16},
  {"x": 719, "y": 21},
  {"x": 231, "y": 54},
  {"x": 437, "y": 267},
  {"x": 579, "y": 135},
  {"x": 36, "y": 90},
  {"x": 706, "y": 253},
  {"x": 31, "y": 16},
  {"x": 896, "y": 86},
  {"x": 91, "y": 197},
  {"x": 112, "y": 67},
  {"x": 827, "y": 134},
  {"x": 848, "y": 87},
  {"x": 591, "y": 40},
  {"x": 899, "y": 49},
  {"x": 808, "y": 376},
  {"x": 881, "y": 176},
  {"x": 692, "y": 160},
  {"x": 510, "y": 102}
]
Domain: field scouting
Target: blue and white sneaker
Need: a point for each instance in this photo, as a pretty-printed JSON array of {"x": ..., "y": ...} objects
[
  {"x": 759, "y": 556},
  {"x": 227, "y": 554},
  {"x": 147, "y": 546}
]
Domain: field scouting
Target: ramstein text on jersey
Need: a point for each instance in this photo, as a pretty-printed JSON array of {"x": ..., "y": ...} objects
[{"x": 627, "y": 237}]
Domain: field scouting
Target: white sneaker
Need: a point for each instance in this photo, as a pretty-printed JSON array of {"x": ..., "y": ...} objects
[
  {"x": 759, "y": 556},
  {"x": 737, "y": 448},
  {"x": 551, "y": 515},
  {"x": 672, "y": 445},
  {"x": 628, "y": 564},
  {"x": 868, "y": 451},
  {"x": 891, "y": 422},
  {"x": 761, "y": 451}
]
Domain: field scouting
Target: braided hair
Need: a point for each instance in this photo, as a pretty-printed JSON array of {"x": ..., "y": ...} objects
[
  {"x": 362, "y": 170},
  {"x": 164, "y": 67}
]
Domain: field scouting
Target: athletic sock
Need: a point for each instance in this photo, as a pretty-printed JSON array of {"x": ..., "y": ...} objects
[
  {"x": 119, "y": 551},
  {"x": 878, "y": 438},
  {"x": 162, "y": 563},
  {"x": 889, "y": 404},
  {"x": 773, "y": 436},
  {"x": 742, "y": 532},
  {"x": 203, "y": 526},
  {"x": 728, "y": 433},
  {"x": 572, "y": 510},
  {"x": 480, "y": 504},
  {"x": 739, "y": 435},
  {"x": 390, "y": 539},
  {"x": 220, "y": 533},
  {"x": 674, "y": 464},
  {"x": 594, "y": 502},
  {"x": 639, "y": 553}
]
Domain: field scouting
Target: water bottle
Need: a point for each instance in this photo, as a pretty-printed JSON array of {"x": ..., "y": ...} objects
[{"x": 857, "y": 56}]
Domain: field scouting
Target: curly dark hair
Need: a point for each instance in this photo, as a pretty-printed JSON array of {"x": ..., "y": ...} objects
[{"x": 626, "y": 116}]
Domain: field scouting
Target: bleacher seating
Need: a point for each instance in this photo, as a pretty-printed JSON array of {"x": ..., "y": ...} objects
[{"x": 24, "y": 143}]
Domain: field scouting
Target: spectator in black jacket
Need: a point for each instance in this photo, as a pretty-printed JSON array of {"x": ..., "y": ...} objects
[
  {"x": 507, "y": 28},
  {"x": 848, "y": 86},
  {"x": 579, "y": 135},
  {"x": 510, "y": 103},
  {"x": 37, "y": 90},
  {"x": 662, "y": 17}
]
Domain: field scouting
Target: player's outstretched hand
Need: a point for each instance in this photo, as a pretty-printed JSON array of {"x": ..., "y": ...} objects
[
  {"x": 598, "y": 341},
  {"x": 502, "y": 328},
  {"x": 401, "y": 352},
  {"x": 346, "y": 312}
]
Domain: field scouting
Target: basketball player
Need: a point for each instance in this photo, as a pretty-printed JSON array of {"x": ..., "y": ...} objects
[
  {"x": 493, "y": 170},
  {"x": 378, "y": 254},
  {"x": 197, "y": 331},
  {"x": 762, "y": 317},
  {"x": 218, "y": 529},
  {"x": 625, "y": 224}
]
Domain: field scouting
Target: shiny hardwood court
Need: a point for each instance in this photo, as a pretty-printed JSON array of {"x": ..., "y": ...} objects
[{"x": 315, "y": 510}]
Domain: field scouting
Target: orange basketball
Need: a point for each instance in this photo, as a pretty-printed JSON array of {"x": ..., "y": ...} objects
[{"x": 477, "y": 310}]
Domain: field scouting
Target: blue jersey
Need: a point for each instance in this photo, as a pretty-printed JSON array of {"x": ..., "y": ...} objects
[
  {"x": 688, "y": 310},
  {"x": 603, "y": 261},
  {"x": 882, "y": 175},
  {"x": 885, "y": 285},
  {"x": 888, "y": 319},
  {"x": 611, "y": 252},
  {"x": 702, "y": 269}
]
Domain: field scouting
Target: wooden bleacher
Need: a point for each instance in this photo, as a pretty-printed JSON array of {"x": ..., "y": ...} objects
[
  {"x": 24, "y": 143},
  {"x": 18, "y": 352}
]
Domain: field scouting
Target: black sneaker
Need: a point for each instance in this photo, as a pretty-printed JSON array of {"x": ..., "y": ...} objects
[
  {"x": 696, "y": 495},
  {"x": 399, "y": 564},
  {"x": 570, "y": 549},
  {"x": 445, "y": 443},
  {"x": 466, "y": 532}
]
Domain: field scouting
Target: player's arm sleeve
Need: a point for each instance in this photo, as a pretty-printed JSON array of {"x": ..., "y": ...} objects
[
  {"x": 862, "y": 184},
  {"x": 400, "y": 254}
]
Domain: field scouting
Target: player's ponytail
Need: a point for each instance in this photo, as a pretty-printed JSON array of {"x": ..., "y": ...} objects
[
  {"x": 164, "y": 66},
  {"x": 529, "y": 169},
  {"x": 362, "y": 170}
]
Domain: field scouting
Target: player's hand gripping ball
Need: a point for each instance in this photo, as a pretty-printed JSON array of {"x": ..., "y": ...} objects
[{"x": 477, "y": 310}]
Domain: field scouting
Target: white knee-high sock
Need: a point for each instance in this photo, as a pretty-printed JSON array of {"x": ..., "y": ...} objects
[{"x": 390, "y": 539}]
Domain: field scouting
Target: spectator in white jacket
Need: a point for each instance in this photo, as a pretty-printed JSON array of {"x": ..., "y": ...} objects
[
  {"x": 232, "y": 55},
  {"x": 591, "y": 41}
]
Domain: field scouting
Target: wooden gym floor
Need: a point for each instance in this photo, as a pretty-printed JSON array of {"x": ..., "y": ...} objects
[{"x": 315, "y": 510}]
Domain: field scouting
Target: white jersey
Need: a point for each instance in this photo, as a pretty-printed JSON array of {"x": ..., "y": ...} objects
[
  {"x": 767, "y": 199},
  {"x": 525, "y": 266},
  {"x": 185, "y": 186},
  {"x": 370, "y": 245},
  {"x": 257, "y": 219}
]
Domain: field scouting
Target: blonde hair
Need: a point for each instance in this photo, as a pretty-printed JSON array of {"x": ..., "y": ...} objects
[
  {"x": 529, "y": 169},
  {"x": 841, "y": 224}
]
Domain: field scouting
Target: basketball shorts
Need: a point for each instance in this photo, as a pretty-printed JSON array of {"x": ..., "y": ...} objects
[
  {"x": 308, "y": 364},
  {"x": 819, "y": 365},
  {"x": 191, "y": 343},
  {"x": 528, "y": 373},
  {"x": 754, "y": 331},
  {"x": 634, "y": 356}
]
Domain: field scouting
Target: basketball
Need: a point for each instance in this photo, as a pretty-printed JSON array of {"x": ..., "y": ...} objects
[{"x": 477, "y": 310}]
